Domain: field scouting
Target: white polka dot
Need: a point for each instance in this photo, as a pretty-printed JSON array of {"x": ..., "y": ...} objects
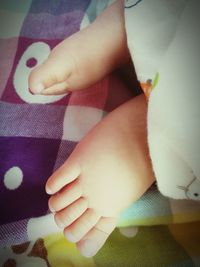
[
  {"x": 129, "y": 231},
  {"x": 13, "y": 178}
]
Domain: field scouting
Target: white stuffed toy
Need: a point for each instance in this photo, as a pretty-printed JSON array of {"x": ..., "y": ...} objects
[
  {"x": 174, "y": 112},
  {"x": 164, "y": 38}
]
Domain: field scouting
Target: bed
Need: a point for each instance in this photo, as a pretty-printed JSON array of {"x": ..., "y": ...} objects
[{"x": 38, "y": 133}]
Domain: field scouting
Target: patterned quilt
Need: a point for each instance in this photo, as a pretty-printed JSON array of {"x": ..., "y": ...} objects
[{"x": 38, "y": 133}]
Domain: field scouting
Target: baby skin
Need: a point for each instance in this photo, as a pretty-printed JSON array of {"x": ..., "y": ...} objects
[{"x": 110, "y": 168}]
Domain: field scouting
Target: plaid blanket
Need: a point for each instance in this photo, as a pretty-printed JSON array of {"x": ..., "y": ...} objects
[{"x": 38, "y": 133}]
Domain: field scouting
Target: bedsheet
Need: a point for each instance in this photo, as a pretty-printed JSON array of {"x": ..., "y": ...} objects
[{"x": 38, "y": 133}]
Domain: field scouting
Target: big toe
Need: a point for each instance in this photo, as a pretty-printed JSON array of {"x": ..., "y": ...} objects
[
  {"x": 50, "y": 77},
  {"x": 96, "y": 237}
]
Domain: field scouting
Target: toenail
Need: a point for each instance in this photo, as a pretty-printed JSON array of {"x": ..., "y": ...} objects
[
  {"x": 48, "y": 191},
  {"x": 89, "y": 248},
  {"x": 30, "y": 91},
  {"x": 52, "y": 209},
  {"x": 38, "y": 88},
  {"x": 70, "y": 237},
  {"x": 60, "y": 224}
]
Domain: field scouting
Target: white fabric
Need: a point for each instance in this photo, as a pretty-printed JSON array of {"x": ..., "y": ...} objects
[
  {"x": 151, "y": 26},
  {"x": 164, "y": 37}
]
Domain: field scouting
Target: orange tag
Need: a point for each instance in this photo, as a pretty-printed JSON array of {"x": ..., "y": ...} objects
[{"x": 147, "y": 88}]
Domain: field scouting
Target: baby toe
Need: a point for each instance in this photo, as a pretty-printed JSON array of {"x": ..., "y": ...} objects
[
  {"x": 68, "y": 215},
  {"x": 81, "y": 226},
  {"x": 57, "y": 89},
  {"x": 49, "y": 77},
  {"x": 63, "y": 176},
  {"x": 95, "y": 239},
  {"x": 65, "y": 196}
]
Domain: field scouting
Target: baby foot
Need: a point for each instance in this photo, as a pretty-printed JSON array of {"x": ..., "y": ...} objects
[
  {"x": 108, "y": 170},
  {"x": 76, "y": 62}
]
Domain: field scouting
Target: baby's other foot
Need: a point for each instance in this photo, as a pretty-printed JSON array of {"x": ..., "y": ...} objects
[
  {"x": 108, "y": 170},
  {"x": 85, "y": 57}
]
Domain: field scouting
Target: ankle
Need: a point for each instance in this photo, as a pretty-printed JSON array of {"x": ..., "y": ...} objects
[{"x": 111, "y": 34}]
